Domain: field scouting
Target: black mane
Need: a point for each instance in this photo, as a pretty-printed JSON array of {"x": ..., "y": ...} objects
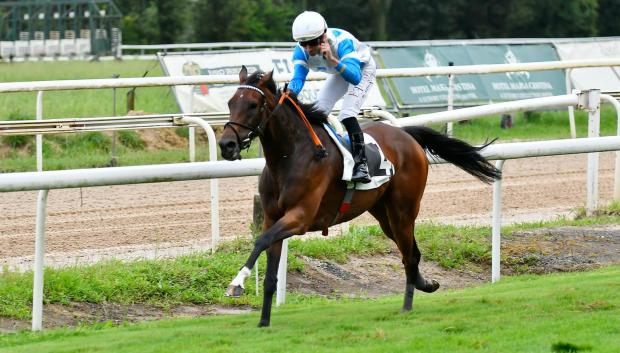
[{"x": 313, "y": 114}]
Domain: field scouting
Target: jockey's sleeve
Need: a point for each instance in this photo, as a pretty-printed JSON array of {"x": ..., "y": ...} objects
[
  {"x": 349, "y": 67},
  {"x": 300, "y": 70}
]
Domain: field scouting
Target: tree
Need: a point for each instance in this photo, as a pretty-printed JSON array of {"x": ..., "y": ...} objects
[
  {"x": 608, "y": 15},
  {"x": 380, "y": 9},
  {"x": 243, "y": 20},
  {"x": 154, "y": 21},
  {"x": 550, "y": 18}
]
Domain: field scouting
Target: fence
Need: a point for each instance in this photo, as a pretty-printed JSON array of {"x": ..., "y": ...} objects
[
  {"x": 15, "y": 182},
  {"x": 217, "y": 169}
]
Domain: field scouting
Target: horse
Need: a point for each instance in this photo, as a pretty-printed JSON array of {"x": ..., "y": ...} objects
[{"x": 301, "y": 188}]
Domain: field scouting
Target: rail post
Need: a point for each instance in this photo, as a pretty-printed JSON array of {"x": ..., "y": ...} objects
[
  {"x": 39, "y": 247},
  {"x": 496, "y": 225},
  {"x": 215, "y": 215},
  {"x": 592, "y": 104},
  {"x": 571, "y": 109},
  {"x": 449, "y": 124}
]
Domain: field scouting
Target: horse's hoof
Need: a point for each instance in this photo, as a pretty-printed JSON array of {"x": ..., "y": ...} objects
[
  {"x": 263, "y": 324},
  {"x": 434, "y": 285},
  {"x": 405, "y": 310},
  {"x": 234, "y": 291}
]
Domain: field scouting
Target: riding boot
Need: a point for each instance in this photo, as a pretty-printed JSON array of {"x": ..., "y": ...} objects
[{"x": 360, "y": 170}]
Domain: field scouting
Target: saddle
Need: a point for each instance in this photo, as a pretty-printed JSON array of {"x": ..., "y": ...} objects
[{"x": 379, "y": 167}]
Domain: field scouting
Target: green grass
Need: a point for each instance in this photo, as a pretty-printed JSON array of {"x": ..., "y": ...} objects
[
  {"x": 576, "y": 312},
  {"x": 83, "y": 103},
  {"x": 199, "y": 278},
  {"x": 361, "y": 241},
  {"x": 533, "y": 126}
]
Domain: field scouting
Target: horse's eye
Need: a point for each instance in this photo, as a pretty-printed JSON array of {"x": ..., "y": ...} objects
[{"x": 253, "y": 105}]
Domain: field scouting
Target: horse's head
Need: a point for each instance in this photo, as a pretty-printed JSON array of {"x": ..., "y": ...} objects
[{"x": 250, "y": 108}]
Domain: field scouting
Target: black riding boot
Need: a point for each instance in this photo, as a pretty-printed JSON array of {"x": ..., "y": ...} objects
[{"x": 360, "y": 170}]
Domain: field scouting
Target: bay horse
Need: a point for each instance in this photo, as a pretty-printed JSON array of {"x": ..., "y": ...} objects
[{"x": 301, "y": 190}]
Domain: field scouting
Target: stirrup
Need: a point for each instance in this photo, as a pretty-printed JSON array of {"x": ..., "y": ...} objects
[{"x": 360, "y": 173}]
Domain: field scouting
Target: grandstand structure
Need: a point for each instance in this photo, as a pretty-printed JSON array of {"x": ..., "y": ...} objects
[{"x": 39, "y": 29}]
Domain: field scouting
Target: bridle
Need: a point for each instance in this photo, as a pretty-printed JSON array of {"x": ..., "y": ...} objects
[
  {"x": 321, "y": 152},
  {"x": 254, "y": 131}
]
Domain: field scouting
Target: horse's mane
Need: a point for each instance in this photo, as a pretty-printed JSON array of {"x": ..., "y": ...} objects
[{"x": 313, "y": 114}]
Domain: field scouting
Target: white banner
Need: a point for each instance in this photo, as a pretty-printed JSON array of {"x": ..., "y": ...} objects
[
  {"x": 604, "y": 78},
  {"x": 214, "y": 98}
]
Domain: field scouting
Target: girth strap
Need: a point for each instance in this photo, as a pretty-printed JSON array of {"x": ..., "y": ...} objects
[{"x": 344, "y": 207}]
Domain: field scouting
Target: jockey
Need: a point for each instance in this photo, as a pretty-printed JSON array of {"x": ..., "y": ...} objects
[{"x": 339, "y": 53}]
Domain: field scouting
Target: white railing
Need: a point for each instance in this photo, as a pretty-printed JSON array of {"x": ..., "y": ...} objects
[
  {"x": 374, "y": 44},
  {"x": 216, "y": 169},
  {"x": 210, "y": 170},
  {"x": 210, "y": 79},
  {"x": 41, "y": 86}
]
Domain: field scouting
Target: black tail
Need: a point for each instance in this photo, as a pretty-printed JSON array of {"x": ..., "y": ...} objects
[{"x": 455, "y": 151}]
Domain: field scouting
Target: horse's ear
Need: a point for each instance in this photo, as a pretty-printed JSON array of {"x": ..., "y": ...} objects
[{"x": 243, "y": 74}]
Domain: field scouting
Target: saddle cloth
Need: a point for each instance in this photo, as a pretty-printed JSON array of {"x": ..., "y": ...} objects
[{"x": 380, "y": 168}]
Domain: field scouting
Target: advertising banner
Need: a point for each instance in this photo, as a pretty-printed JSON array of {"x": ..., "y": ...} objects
[
  {"x": 432, "y": 91},
  {"x": 604, "y": 78},
  {"x": 214, "y": 97}
]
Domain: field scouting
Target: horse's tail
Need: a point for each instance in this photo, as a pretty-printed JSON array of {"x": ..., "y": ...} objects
[{"x": 455, "y": 151}]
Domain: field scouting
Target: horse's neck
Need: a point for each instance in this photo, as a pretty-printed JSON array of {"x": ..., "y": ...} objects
[{"x": 286, "y": 137}]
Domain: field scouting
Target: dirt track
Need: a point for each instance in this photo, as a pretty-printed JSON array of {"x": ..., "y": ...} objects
[{"x": 165, "y": 219}]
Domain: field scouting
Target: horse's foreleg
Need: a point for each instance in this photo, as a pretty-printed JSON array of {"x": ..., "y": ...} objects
[
  {"x": 275, "y": 233},
  {"x": 271, "y": 281},
  {"x": 293, "y": 222}
]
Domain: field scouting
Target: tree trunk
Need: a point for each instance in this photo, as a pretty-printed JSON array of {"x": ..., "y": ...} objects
[{"x": 380, "y": 9}]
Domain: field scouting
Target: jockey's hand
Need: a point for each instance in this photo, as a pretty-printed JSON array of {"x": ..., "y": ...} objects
[{"x": 326, "y": 51}]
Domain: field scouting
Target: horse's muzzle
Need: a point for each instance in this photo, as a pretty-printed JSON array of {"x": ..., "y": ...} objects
[{"x": 230, "y": 149}]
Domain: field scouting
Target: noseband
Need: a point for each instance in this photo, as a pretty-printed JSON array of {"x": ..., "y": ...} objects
[{"x": 254, "y": 131}]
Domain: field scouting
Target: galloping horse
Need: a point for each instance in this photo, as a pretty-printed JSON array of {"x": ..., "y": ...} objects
[{"x": 301, "y": 190}]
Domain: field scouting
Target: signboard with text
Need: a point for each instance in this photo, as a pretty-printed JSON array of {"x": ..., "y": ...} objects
[
  {"x": 214, "y": 97},
  {"x": 431, "y": 91}
]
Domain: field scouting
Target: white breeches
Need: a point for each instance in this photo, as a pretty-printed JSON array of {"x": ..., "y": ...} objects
[{"x": 354, "y": 96}]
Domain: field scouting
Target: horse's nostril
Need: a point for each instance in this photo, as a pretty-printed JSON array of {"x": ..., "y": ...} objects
[
  {"x": 227, "y": 145},
  {"x": 231, "y": 145}
]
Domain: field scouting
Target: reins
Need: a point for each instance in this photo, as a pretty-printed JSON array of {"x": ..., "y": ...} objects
[{"x": 320, "y": 150}]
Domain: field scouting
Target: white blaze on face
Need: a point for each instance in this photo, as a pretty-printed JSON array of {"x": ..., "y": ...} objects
[{"x": 241, "y": 276}]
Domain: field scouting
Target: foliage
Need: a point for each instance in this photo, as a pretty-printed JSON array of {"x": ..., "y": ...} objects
[
  {"x": 243, "y": 20},
  {"x": 361, "y": 242},
  {"x": 174, "y": 21},
  {"x": 608, "y": 14},
  {"x": 131, "y": 139},
  {"x": 155, "y": 21}
]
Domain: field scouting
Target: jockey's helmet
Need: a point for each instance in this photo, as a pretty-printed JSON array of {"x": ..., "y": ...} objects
[{"x": 308, "y": 25}]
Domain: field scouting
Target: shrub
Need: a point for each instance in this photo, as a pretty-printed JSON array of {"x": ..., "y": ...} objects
[{"x": 131, "y": 139}]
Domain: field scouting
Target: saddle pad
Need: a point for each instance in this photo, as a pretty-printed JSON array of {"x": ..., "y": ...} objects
[{"x": 380, "y": 168}]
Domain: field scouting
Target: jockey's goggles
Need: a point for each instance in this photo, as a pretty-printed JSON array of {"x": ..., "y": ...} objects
[{"x": 312, "y": 42}]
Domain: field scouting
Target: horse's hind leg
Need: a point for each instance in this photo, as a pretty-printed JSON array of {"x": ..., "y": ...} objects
[
  {"x": 398, "y": 223},
  {"x": 400, "y": 229},
  {"x": 408, "y": 246}
]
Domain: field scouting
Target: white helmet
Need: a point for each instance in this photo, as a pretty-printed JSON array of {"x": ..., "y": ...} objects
[{"x": 308, "y": 25}]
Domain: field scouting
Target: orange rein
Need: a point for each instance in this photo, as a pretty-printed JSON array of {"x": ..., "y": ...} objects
[{"x": 317, "y": 142}]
